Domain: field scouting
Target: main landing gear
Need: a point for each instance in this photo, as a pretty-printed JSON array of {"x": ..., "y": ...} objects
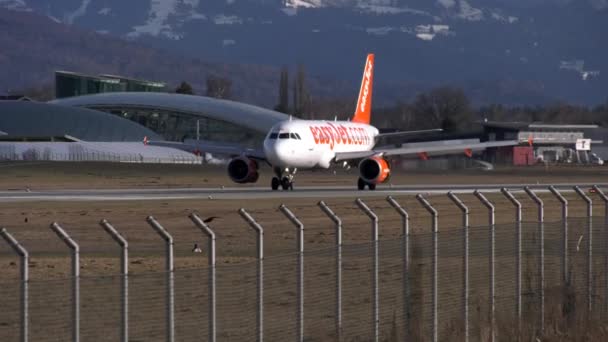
[
  {"x": 361, "y": 184},
  {"x": 283, "y": 178}
]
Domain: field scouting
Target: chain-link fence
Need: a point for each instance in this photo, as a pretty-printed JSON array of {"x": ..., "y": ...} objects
[{"x": 521, "y": 280}]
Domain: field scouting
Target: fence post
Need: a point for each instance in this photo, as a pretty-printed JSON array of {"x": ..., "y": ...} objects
[
  {"x": 300, "y": 280},
  {"x": 435, "y": 224},
  {"x": 405, "y": 219},
  {"x": 492, "y": 223},
  {"x": 465, "y": 261},
  {"x": 564, "y": 203},
  {"x": 260, "y": 271},
  {"x": 211, "y": 261},
  {"x": 75, "y": 278},
  {"x": 170, "y": 296},
  {"x": 605, "y": 199},
  {"x": 375, "y": 291},
  {"x": 517, "y": 205},
  {"x": 338, "y": 222},
  {"x": 589, "y": 246},
  {"x": 22, "y": 252},
  {"x": 541, "y": 264},
  {"x": 124, "y": 270}
]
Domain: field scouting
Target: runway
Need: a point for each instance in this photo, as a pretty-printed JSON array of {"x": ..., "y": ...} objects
[{"x": 252, "y": 193}]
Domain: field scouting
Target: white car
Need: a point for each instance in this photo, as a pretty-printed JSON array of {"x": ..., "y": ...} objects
[{"x": 595, "y": 159}]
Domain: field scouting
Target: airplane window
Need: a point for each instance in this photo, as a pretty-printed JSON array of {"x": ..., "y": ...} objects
[
  {"x": 273, "y": 136},
  {"x": 284, "y": 136},
  {"x": 293, "y": 136}
]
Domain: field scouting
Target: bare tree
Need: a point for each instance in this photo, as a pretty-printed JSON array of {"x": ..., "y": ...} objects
[
  {"x": 184, "y": 88},
  {"x": 301, "y": 98},
  {"x": 283, "y": 105},
  {"x": 218, "y": 87},
  {"x": 445, "y": 107}
]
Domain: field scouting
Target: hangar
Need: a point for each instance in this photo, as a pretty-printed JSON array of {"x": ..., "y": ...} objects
[{"x": 177, "y": 117}]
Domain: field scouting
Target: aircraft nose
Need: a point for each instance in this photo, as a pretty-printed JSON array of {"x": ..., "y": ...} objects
[
  {"x": 271, "y": 150},
  {"x": 276, "y": 152}
]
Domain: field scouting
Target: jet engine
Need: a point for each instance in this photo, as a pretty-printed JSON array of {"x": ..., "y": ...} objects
[
  {"x": 243, "y": 170},
  {"x": 374, "y": 170}
]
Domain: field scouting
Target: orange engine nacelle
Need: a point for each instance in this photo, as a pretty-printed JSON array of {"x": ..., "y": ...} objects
[
  {"x": 374, "y": 170},
  {"x": 243, "y": 170}
]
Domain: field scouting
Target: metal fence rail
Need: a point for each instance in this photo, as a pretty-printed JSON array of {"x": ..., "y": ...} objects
[{"x": 521, "y": 280}]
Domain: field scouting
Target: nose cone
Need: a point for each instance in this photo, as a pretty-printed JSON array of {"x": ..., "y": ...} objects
[
  {"x": 271, "y": 151},
  {"x": 277, "y": 152}
]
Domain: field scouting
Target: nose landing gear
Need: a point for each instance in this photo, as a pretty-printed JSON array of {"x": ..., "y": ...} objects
[
  {"x": 284, "y": 178},
  {"x": 361, "y": 185}
]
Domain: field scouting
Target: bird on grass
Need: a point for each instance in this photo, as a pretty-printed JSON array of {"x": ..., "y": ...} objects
[
  {"x": 196, "y": 249},
  {"x": 209, "y": 219}
]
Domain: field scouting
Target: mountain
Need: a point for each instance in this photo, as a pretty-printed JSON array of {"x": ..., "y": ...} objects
[
  {"x": 512, "y": 51},
  {"x": 34, "y": 46}
]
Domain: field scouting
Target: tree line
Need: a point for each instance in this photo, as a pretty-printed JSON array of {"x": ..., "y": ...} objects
[
  {"x": 217, "y": 87},
  {"x": 445, "y": 107}
]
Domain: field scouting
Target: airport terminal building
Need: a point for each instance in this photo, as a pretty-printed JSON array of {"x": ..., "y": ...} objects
[
  {"x": 177, "y": 117},
  {"x": 114, "y": 125}
]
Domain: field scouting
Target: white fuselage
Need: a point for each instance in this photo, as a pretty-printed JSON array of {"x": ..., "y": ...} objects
[{"x": 308, "y": 144}]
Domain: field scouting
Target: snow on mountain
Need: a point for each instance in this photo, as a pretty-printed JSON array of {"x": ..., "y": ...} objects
[
  {"x": 79, "y": 12},
  {"x": 385, "y": 9},
  {"x": 159, "y": 15},
  {"x": 447, "y": 3},
  {"x": 15, "y": 5},
  {"x": 304, "y": 3},
  {"x": 468, "y": 12},
  {"x": 222, "y": 19}
]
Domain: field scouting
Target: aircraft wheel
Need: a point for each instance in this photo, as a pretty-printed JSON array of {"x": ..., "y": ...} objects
[
  {"x": 361, "y": 184},
  {"x": 285, "y": 183},
  {"x": 274, "y": 184},
  {"x": 372, "y": 186}
]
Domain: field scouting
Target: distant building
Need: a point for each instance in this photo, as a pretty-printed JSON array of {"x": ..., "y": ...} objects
[
  {"x": 68, "y": 84},
  {"x": 39, "y": 121},
  {"x": 180, "y": 118},
  {"x": 539, "y": 142}
]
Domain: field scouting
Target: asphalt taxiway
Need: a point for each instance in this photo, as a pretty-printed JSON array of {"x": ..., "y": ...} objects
[{"x": 250, "y": 193}]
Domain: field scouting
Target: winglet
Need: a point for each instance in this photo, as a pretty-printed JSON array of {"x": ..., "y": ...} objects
[{"x": 364, "y": 102}]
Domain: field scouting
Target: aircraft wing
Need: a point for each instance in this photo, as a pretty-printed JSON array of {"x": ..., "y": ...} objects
[
  {"x": 405, "y": 133},
  {"x": 447, "y": 149},
  {"x": 203, "y": 146}
]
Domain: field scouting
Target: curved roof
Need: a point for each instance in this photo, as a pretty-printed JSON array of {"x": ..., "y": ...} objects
[
  {"x": 253, "y": 117},
  {"x": 35, "y": 119}
]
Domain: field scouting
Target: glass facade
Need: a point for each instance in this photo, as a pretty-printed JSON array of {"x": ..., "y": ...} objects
[
  {"x": 68, "y": 84},
  {"x": 179, "y": 126}
]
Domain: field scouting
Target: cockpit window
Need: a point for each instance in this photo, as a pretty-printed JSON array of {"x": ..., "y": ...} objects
[
  {"x": 273, "y": 136},
  {"x": 298, "y": 136},
  {"x": 293, "y": 136},
  {"x": 283, "y": 135}
]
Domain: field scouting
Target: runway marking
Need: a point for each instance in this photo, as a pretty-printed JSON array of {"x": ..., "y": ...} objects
[{"x": 262, "y": 192}]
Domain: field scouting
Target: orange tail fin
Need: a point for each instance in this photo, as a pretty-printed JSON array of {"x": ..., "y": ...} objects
[{"x": 363, "y": 112}]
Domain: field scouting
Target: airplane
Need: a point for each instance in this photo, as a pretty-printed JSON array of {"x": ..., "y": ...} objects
[{"x": 296, "y": 144}]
